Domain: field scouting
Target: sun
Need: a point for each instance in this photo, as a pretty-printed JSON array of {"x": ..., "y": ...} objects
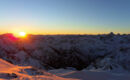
[{"x": 22, "y": 34}]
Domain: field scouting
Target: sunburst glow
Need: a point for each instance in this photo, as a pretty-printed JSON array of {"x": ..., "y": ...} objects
[{"x": 22, "y": 34}]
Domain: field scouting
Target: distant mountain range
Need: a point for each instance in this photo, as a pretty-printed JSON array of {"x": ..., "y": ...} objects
[{"x": 104, "y": 52}]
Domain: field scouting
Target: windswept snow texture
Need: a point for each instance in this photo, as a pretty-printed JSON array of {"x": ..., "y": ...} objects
[
  {"x": 91, "y": 75},
  {"x": 9, "y": 71},
  {"x": 92, "y": 52}
]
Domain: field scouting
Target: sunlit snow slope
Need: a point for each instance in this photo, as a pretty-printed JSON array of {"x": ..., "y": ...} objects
[{"x": 10, "y": 71}]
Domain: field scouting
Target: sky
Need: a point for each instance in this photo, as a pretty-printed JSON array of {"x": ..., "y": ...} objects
[{"x": 65, "y": 16}]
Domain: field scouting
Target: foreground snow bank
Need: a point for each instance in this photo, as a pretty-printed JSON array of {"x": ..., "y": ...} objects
[
  {"x": 9, "y": 71},
  {"x": 91, "y": 75},
  {"x": 12, "y": 72}
]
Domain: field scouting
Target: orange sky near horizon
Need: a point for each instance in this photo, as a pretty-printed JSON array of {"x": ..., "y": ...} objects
[{"x": 37, "y": 31}]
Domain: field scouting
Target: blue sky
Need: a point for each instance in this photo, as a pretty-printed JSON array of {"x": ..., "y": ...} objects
[{"x": 65, "y": 16}]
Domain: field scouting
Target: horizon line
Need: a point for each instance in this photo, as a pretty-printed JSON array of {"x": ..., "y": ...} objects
[{"x": 75, "y": 34}]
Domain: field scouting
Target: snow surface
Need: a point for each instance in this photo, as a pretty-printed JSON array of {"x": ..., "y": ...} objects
[
  {"x": 9, "y": 71},
  {"x": 95, "y": 75},
  {"x": 91, "y": 75}
]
